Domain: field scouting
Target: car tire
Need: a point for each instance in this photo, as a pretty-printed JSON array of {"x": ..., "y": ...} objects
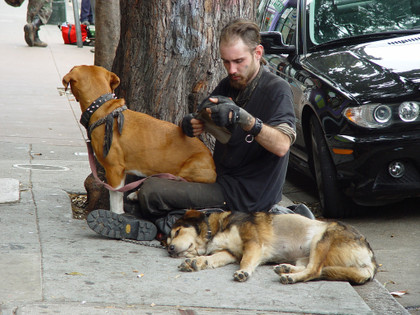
[{"x": 331, "y": 198}]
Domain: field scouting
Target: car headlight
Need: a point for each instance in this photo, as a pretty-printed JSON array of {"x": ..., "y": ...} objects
[
  {"x": 383, "y": 115},
  {"x": 408, "y": 111}
]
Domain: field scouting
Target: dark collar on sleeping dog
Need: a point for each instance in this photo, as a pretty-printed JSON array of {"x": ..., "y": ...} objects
[
  {"x": 207, "y": 213},
  {"x": 206, "y": 219},
  {"x": 84, "y": 120}
]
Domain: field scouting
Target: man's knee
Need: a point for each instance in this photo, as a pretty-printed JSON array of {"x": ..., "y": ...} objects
[
  {"x": 151, "y": 184},
  {"x": 150, "y": 197}
]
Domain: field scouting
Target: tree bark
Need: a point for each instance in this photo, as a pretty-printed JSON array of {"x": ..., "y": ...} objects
[
  {"x": 107, "y": 31},
  {"x": 168, "y": 56},
  {"x": 107, "y": 34}
]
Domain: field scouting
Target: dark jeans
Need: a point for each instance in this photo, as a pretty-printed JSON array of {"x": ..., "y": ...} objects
[
  {"x": 163, "y": 201},
  {"x": 86, "y": 12}
]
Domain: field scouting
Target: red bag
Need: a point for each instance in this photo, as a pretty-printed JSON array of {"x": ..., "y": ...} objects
[{"x": 69, "y": 33}]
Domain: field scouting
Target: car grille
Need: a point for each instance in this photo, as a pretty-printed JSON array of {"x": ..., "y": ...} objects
[{"x": 410, "y": 180}]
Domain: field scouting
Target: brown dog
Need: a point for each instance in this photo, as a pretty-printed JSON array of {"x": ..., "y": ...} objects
[
  {"x": 307, "y": 249},
  {"x": 140, "y": 144}
]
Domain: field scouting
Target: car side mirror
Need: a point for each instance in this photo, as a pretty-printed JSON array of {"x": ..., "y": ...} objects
[{"x": 273, "y": 43}]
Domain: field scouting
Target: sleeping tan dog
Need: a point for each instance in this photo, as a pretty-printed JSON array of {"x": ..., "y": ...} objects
[
  {"x": 140, "y": 144},
  {"x": 305, "y": 249}
]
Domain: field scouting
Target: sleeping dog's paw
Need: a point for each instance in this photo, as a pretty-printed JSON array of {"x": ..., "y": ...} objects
[
  {"x": 284, "y": 271},
  {"x": 240, "y": 275},
  {"x": 133, "y": 196},
  {"x": 287, "y": 279},
  {"x": 194, "y": 264},
  {"x": 283, "y": 268},
  {"x": 188, "y": 265}
]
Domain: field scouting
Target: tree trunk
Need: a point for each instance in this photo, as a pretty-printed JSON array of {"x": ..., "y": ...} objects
[
  {"x": 107, "y": 31},
  {"x": 107, "y": 34},
  {"x": 168, "y": 57}
]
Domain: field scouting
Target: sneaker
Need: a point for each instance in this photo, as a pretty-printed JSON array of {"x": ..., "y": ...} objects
[
  {"x": 302, "y": 209},
  {"x": 277, "y": 209},
  {"x": 120, "y": 226}
]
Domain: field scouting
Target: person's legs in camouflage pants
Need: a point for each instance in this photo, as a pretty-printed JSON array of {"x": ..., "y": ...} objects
[{"x": 38, "y": 13}]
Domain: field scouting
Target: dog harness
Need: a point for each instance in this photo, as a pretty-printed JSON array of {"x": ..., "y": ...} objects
[{"x": 108, "y": 120}]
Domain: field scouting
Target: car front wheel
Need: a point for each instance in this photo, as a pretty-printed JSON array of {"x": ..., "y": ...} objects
[{"x": 331, "y": 198}]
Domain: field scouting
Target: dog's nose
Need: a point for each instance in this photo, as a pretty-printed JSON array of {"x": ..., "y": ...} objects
[{"x": 171, "y": 249}]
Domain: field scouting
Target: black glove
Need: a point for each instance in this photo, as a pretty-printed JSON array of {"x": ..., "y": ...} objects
[
  {"x": 225, "y": 114},
  {"x": 187, "y": 126},
  {"x": 221, "y": 112}
]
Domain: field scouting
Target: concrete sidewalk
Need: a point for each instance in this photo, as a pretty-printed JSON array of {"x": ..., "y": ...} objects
[{"x": 52, "y": 263}]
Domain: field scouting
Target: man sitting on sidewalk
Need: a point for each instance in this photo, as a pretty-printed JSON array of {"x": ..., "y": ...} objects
[{"x": 255, "y": 109}]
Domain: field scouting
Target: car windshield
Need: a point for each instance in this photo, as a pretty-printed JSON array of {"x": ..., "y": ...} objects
[{"x": 331, "y": 20}]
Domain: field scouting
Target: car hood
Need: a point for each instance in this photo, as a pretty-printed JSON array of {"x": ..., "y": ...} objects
[{"x": 386, "y": 69}]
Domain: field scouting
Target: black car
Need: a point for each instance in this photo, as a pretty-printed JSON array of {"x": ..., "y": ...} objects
[{"x": 354, "y": 68}]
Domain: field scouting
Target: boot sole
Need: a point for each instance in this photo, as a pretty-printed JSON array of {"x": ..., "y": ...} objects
[
  {"x": 117, "y": 226},
  {"x": 29, "y": 35},
  {"x": 40, "y": 44}
]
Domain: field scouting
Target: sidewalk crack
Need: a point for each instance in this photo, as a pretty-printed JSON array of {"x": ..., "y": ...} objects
[{"x": 37, "y": 224}]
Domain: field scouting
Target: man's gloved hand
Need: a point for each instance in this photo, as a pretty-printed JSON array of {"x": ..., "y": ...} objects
[
  {"x": 187, "y": 126},
  {"x": 224, "y": 112}
]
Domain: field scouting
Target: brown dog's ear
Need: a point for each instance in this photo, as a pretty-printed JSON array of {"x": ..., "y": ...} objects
[
  {"x": 192, "y": 218},
  {"x": 66, "y": 81},
  {"x": 193, "y": 214},
  {"x": 114, "y": 81},
  {"x": 67, "y": 78}
]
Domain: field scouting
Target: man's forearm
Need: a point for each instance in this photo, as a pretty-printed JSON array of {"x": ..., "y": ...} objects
[
  {"x": 273, "y": 140},
  {"x": 270, "y": 138}
]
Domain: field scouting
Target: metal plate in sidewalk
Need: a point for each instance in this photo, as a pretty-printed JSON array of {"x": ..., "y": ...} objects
[{"x": 41, "y": 167}]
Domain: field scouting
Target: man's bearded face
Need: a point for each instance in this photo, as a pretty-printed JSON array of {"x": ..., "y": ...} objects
[{"x": 240, "y": 62}]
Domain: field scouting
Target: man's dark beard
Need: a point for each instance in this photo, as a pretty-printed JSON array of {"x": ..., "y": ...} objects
[
  {"x": 243, "y": 82},
  {"x": 245, "y": 94},
  {"x": 238, "y": 84}
]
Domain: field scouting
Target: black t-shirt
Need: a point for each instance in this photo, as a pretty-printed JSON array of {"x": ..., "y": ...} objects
[{"x": 252, "y": 177}]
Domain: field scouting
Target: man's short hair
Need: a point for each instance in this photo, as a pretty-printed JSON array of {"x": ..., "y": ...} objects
[{"x": 246, "y": 30}]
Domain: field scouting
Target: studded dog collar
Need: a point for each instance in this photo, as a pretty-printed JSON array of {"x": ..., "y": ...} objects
[{"x": 84, "y": 120}]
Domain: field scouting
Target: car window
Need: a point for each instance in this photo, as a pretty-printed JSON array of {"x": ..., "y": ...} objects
[
  {"x": 336, "y": 19},
  {"x": 287, "y": 25},
  {"x": 268, "y": 12},
  {"x": 278, "y": 15}
]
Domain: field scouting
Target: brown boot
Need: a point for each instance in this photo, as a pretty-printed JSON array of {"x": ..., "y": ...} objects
[
  {"x": 31, "y": 33},
  {"x": 38, "y": 42},
  {"x": 29, "y": 30}
]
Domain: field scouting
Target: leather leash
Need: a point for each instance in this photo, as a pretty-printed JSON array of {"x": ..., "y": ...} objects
[{"x": 129, "y": 186}]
